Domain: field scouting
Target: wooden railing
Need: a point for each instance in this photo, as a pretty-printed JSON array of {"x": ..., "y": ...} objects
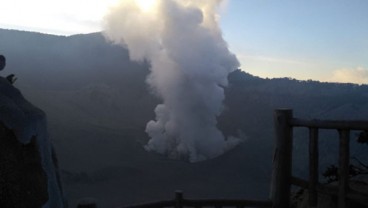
[
  {"x": 282, "y": 165},
  {"x": 282, "y": 178},
  {"x": 180, "y": 202}
]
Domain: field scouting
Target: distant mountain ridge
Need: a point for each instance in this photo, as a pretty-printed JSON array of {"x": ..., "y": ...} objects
[{"x": 92, "y": 93}]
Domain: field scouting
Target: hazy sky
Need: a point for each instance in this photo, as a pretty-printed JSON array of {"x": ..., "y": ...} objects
[
  {"x": 325, "y": 40},
  {"x": 304, "y": 39}
]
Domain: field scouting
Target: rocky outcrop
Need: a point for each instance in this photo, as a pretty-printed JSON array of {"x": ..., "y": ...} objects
[{"x": 28, "y": 169}]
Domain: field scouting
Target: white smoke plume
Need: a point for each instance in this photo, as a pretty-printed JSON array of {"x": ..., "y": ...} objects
[
  {"x": 358, "y": 75},
  {"x": 190, "y": 62}
]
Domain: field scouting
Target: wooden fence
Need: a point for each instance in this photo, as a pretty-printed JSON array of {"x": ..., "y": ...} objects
[
  {"x": 180, "y": 202},
  {"x": 282, "y": 178}
]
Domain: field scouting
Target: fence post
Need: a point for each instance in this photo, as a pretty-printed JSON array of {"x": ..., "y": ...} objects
[
  {"x": 344, "y": 167},
  {"x": 313, "y": 167},
  {"x": 178, "y": 199},
  {"x": 281, "y": 173}
]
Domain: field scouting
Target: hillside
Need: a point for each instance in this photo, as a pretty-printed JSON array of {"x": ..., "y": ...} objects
[{"x": 98, "y": 104}]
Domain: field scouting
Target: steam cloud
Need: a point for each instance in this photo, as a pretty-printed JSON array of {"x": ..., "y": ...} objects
[
  {"x": 358, "y": 75},
  {"x": 190, "y": 62}
]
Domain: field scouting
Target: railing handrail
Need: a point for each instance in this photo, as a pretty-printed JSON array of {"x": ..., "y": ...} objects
[
  {"x": 330, "y": 124},
  {"x": 282, "y": 166},
  {"x": 179, "y": 201},
  {"x": 167, "y": 203},
  {"x": 205, "y": 203},
  {"x": 226, "y": 202}
]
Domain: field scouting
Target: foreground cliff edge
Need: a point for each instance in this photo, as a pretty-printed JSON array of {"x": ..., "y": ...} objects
[{"x": 28, "y": 173}]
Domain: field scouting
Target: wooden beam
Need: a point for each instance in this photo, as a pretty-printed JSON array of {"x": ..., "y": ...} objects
[
  {"x": 313, "y": 167},
  {"x": 281, "y": 173},
  {"x": 157, "y": 204},
  {"x": 344, "y": 156},
  {"x": 330, "y": 124},
  {"x": 226, "y": 203}
]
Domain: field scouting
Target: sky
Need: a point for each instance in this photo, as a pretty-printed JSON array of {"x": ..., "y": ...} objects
[{"x": 303, "y": 39}]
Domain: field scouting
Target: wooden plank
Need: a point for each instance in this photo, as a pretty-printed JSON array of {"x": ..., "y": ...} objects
[
  {"x": 330, "y": 124},
  {"x": 281, "y": 173},
  {"x": 197, "y": 203},
  {"x": 170, "y": 203},
  {"x": 343, "y": 167},
  {"x": 226, "y": 203},
  {"x": 313, "y": 167}
]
